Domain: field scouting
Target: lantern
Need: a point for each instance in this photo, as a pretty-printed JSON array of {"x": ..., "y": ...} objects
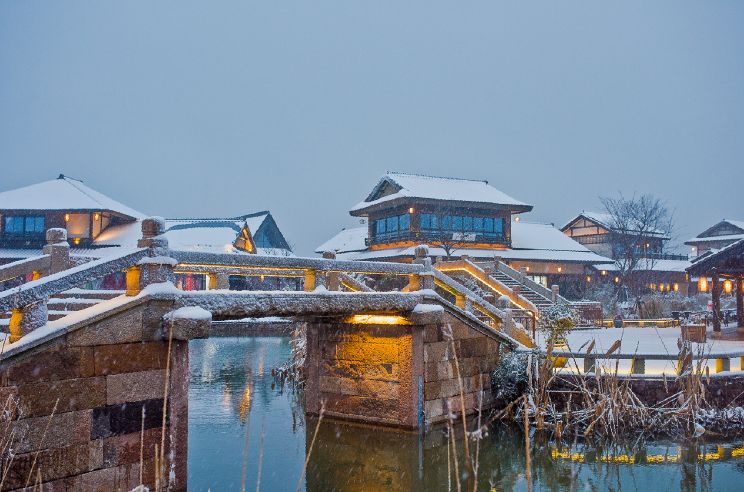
[
  {"x": 703, "y": 284},
  {"x": 727, "y": 286}
]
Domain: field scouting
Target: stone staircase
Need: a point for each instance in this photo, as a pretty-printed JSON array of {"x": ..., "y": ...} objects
[
  {"x": 67, "y": 302},
  {"x": 74, "y": 300},
  {"x": 525, "y": 291}
]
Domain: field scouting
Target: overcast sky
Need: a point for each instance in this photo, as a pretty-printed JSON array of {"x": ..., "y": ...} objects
[{"x": 220, "y": 108}]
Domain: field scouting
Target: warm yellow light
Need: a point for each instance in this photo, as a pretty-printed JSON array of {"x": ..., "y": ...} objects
[
  {"x": 67, "y": 217},
  {"x": 76, "y": 240},
  {"x": 410, "y": 210},
  {"x": 516, "y": 219},
  {"x": 262, "y": 278},
  {"x": 588, "y": 278},
  {"x": 703, "y": 284},
  {"x": 727, "y": 286},
  {"x": 647, "y": 245},
  {"x": 617, "y": 280},
  {"x": 676, "y": 287},
  {"x": 377, "y": 319},
  {"x": 526, "y": 269},
  {"x": 604, "y": 272},
  {"x": 653, "y": 286},
  {"x": 560, "y": 269}
]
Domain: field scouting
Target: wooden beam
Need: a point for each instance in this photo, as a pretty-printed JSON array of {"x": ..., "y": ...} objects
[{"x": 716, "y": 291}]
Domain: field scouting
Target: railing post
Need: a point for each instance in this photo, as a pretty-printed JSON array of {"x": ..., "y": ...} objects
[
  {"x": 516, "y": 290},
  {"x": 332, "y": 278},
  {"x": 590, "y": 364},
  {"x": 58, "y": 250},
  {"x": 554, "y": 290},
  {"x": 211, "y": 281},
  {"x": 26, "y": 319},
  {"x": 723, "y": 364},
  {"x": 133, "y": 281},
  {"x": 309, "y": 283},
  {"x": 638, "y": 365},
  {"x": 158, "y": 267},
  {"x": 426, "y": 281}
]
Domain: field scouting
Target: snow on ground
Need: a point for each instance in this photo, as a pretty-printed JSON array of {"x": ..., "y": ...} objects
[{"x": 650, "y": 341}]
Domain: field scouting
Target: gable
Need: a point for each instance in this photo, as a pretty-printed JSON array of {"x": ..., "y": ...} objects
[
  {"x": 584, "y": 226},
  {"x": 384, "y": 188},
  {"x": 268, "y": 235},
  {"x": 244, "y": 241},
  {"x": 723, "y": 228}
]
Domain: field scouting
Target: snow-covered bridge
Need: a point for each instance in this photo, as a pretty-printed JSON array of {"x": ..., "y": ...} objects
[{"x": 118, "y": 369}]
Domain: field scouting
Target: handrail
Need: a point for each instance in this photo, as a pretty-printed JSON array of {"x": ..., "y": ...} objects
[
  {"x": 294, "y": 263},
  {"x": 353, "y": 284},
  {"x": 480, "y": 274},
  {"x": 24, "y": 266},
  {"x": 616, "y": 356},
  {"x": 41, "y": 289}
]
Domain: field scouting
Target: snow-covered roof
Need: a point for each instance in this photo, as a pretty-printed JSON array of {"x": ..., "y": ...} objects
[
  {"x": 212, "y": 235},
  {"x": 527, "y": 235},
  {"x": 402, "y": 185},
  {"x": 646, "y": 264},
  {"x": 713, "y": 239},
  {"x": 64, "y": 194},
  {"x": 608, "y": 222},
  {"x": 346, "y": 240},
  {"x": 707, "y": 235}
]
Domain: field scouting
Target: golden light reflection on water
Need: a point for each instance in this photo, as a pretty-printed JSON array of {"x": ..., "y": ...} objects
[
  {"x": 721, "y": 454},
  {"x": 245, "y": 404}
]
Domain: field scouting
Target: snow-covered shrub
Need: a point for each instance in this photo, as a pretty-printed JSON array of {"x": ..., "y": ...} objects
[
  {"x": 557, "y": 321},
  {"x": 509, "y": 379}
]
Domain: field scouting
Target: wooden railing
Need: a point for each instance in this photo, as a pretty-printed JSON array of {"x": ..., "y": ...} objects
[{"x": 569, "y": 359}]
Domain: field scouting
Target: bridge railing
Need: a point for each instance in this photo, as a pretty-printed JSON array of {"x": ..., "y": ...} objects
[
  {"x": 35, "y": 266},
  {"x": 152, "y": 262}
]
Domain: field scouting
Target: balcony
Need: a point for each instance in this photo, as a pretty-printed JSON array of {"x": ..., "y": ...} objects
[{"x": 434, "y": 237}]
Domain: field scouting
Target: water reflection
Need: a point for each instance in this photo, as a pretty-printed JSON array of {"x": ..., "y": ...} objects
[{"x": 232, "y": 393}]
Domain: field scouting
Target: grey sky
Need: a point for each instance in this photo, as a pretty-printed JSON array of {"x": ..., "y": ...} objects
[{"x": 223, "y": 108}]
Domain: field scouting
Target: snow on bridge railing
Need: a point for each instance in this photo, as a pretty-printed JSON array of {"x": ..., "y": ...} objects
[
  {"x": 43, "y": 288},
  {"x": 193, "y": 258}
]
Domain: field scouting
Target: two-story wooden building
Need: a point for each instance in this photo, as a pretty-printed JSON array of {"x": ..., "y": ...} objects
[
  {"x": 458, "y": 217},
  {"x": 655, "y": 269}
]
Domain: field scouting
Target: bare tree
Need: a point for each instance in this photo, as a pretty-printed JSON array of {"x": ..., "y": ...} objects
[{"x": 639, "y": 226}]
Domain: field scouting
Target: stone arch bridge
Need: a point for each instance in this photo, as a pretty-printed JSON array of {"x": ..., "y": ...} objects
[{"x": 84, "y": 393}]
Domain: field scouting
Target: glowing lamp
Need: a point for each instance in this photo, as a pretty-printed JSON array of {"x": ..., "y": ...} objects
[
  {"x": 67, "y": 217},
  {"x": 560, "y": 269},
  {"x": 516, "y": 219},
  {"x": 76, "y": 240},
  {"x": 676, "y": 287},
  {"x": 588, "y": 278},
  {"x": 377, "y": 319},
  {"x": 604, "y": 273},
  {"x": 96, "y": 216},
  {"x": 727, "y": 286},
  {"x": 617, "y": 280},
  {"x": 410, "y": 210},
  {"x": 703, "y": 284},
  {"x": 526, "y": 269}
]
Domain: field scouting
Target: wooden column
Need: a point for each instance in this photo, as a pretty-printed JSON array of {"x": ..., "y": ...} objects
[
  {"x": 716, "y": 291},
  {"x": 740, "y": 301}
]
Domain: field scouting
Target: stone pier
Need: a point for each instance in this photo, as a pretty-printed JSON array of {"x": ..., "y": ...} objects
[{"x": 398, "y": 371}]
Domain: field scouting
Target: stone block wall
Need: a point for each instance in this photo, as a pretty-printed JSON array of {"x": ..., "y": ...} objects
[
  {"x": 80, "y": 401},
  {"x": 362, "y": 372},
  {"x": 399, "y": 375},
  {"x": 477, "y": 356}
]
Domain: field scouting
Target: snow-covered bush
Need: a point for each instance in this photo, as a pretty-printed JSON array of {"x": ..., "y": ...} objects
[
  {"x": 509, "y": 379},
  {"x": 557, "y": 321}
]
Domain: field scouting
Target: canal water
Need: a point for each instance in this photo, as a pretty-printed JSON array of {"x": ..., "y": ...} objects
[{"x": 242, "y": 426}]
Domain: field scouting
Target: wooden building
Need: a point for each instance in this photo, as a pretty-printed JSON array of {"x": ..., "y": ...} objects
[
  {"x": 458, "y": 217},
  {"x": 725, "y": 268},
  {"x": 717, "y": 236}
]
